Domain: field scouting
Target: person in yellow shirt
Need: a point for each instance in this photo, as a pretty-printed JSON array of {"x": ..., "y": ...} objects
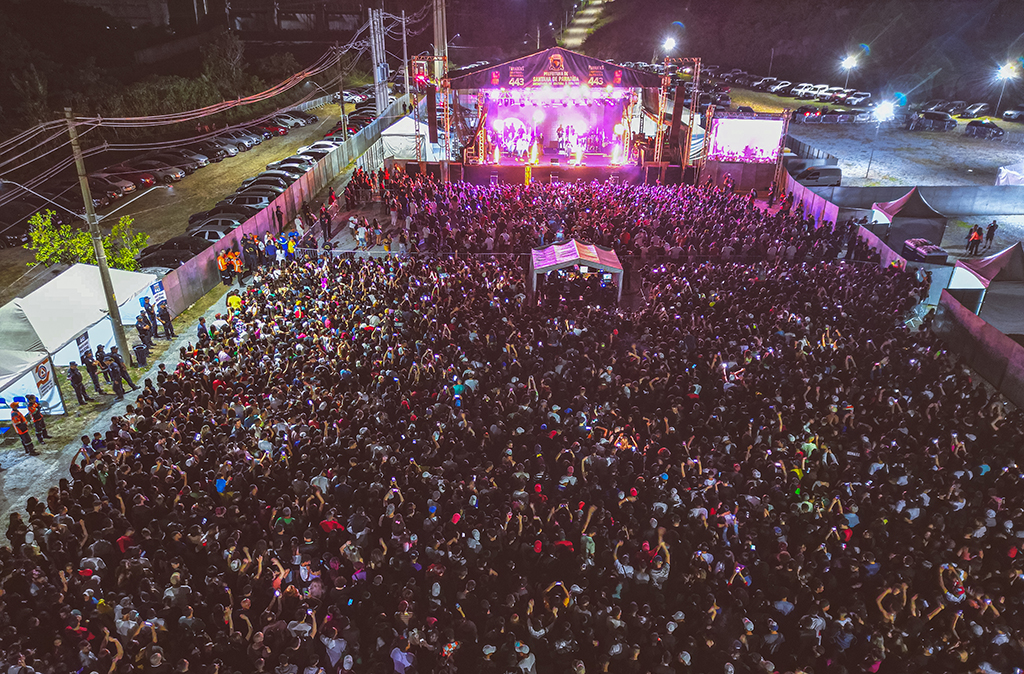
[{"x": 234, "y": 302}]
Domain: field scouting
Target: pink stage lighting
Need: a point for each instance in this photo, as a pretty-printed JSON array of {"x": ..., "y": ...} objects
[{"x": 749, "y": 141}]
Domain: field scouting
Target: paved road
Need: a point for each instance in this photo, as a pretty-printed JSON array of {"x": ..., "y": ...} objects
[{"x": 162, "y": 211}]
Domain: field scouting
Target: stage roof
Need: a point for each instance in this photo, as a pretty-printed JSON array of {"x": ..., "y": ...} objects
[
  {"x": 555, "y": 67},
  {"x": 560, "y": 255}
]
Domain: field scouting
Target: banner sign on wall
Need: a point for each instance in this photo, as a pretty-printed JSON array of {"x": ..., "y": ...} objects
[
  {"x": 83, "y": 344},
  {"x": 43, "y": 374}
]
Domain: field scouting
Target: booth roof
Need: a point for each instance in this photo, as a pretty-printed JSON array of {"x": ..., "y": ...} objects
[
  {"x": 69, "y": 304},
  {"x": 910, "y": 205},
  {"x": 558, "y": 67},
  {"x": 1006, "y": 265},
  {"x": 559, "y": 255}
]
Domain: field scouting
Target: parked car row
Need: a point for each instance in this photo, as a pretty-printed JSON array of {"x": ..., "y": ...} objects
[
  {"x": 253, "y": 195},
  {"x": 806, "y": 91}
]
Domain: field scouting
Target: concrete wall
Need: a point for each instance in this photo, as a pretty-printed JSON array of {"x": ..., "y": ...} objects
[
  {"x": 950, "y": 201},
  {"x": 200, "y": 275},
  {"x": 990, "y": 353}
]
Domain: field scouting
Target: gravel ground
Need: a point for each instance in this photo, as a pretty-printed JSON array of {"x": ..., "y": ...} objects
[{"x": 901, "y": 157}]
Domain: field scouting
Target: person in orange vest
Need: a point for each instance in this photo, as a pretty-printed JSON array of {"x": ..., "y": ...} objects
[
  {"x": 35, "y": 412},
  {"x": 225, "y": 267},
  {"x": 238, "y": 266},
  {"x": 20, "y": 424}
]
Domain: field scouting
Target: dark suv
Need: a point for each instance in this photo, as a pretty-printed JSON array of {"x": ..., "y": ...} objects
[{"x": 931, "y": 120}]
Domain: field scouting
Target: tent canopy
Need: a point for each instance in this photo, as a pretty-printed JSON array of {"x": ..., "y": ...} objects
[
  {"x": 561, "y": 255},
  {"x": 910, "y": 217},
  {"x": 63, "y": 308},
  {"x": 20, "y": 347},
  {"x": 910, "y": 205},
  {"x": 1006, "y": 265},
  {"x": 1011, "y": 175},
  {"x": 555, "y": 67},
  {"x": 399, "y": 140}
]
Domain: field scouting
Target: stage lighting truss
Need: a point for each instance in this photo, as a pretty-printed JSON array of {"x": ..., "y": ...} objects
[
  {"x": 666, "y": 82},
  {"x": 421, "y": 72}
]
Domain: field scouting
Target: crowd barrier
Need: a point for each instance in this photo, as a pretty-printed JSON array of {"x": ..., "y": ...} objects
[
  {"x": 889, "y": 257},
  {"x": 990, "y": 353},
  {"x": 812, "y": 202},
  {"x": 186, "y": 284}
]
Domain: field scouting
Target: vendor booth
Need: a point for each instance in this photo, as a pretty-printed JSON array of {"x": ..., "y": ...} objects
[{"x": 573, "y": 253}]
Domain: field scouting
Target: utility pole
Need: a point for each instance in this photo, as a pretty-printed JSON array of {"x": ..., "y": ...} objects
[
  {"x": 97, "y": 241},
  {"x": 771, "y": 62},
  {"x": 405, "y": 53},
  {"x": 341, "y": 90}
]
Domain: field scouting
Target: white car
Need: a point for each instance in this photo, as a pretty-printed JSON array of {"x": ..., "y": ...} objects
[
  {"x": 778, "y": 86},
  {"x": 858, "y": 98},
  {"x": 1014, "y": 115},
  {"x": 321, "y": 145}
]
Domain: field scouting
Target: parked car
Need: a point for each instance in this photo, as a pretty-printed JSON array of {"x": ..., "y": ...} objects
[
  {"x": 1014, "y": 114},
  {"x": 296, "y": 161},
  {"x": 233, "y": 210},
  {"x": 302, "y": 114},
  {"x": 222, "y": 220},
  {"x": 290, "y": 120},
  {"x": 328, "y": 145},
  {"x": 820, "y": 176},
  {"x": 253, "y": 201},
  {"x": 112, "y": 180},
  {"x": 69, "y": 195},
  {"x": 159, "y": 272},
  {"x": 187, "y": 165},
  {"x": 270, "y": 192},
  {"x": 829, "y": 94},
  {"x": 764, "y": 83},
  {"x": 162, "y": 171},
  {"x": 776, "y": 87},
  {"x": 976, "y": 110},
  {"x": 258, "y": 130},
  {"x": 932, "y": 120},
  {"x": 141, "y": 179},
  {"x": 14, "y": 227},
  {"x": 812, "y": 92},
  {"x": 269, "y": 178},
  {"x": 275, "y": 129},
  {"x": 314, "y": 153},
  {"x": 954, "y": 107},
  {"x": 211, "y": 232},
  {"x": 241, "y": 141},
  {"x": 110, "y": 190},
  {"x": 934, "y": 104},
  {"x": 178, "y": 243},
  {"x": 858, "y": 98},
  {"x": 800, "y": 90},
  {"x": 171, "y": 259},
  {"x": 188, "y": 154},
  {"x": 807, "y": 111},
  {"x": 211, "y": 144},
  {"x": 983, "y": 128}
]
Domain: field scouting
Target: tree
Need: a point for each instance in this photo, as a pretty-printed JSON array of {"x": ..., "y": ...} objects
[{"x": 64, "y": 243}]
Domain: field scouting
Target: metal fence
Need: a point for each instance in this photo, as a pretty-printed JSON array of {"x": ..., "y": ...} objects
[
  {"x": 200, "y": 275},
  {"x": 316, "y": 102}
]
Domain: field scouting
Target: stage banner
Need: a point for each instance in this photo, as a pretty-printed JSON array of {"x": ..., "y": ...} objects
[{"x": 555, "y": 67}]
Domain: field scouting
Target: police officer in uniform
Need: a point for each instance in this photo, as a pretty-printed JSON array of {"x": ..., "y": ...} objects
[
  {"x": 35, "y": 411},
  {"x": 93, "y": 368},
  {"x": 78, "y": 383},
  {"x": 119, "y": 360},
  {"x": 20, "y": 424},
  {"x": 145, "y": 329},
  {"x": 151, "y": 315},
  {"x": 113, "y": 370},
  {"x": 164, "y": 314}
]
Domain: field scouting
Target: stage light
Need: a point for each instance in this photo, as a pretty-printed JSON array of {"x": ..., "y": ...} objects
[
  {"x": 618, "y": 129},
  {"x": 670, "y": 43},
  {"x": 538, "y": 116}
]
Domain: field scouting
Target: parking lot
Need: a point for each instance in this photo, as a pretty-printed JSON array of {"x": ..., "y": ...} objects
[{"x": 163, "y": 212}]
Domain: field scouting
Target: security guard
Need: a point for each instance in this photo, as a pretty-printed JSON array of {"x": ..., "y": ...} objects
[
  {"x": 35, "y": 411},
  {"x": 113, "y": 370},
  {"x": 150, "y": 312},
  {"x": 78, "y": 383},
  {"x": 225, "y": 267},
  {"x": 238, "y": 266},
  {"x": 145, "y": 328},
  {"x": 20, "y": 424},
  {"x": 164, "y": 314}
]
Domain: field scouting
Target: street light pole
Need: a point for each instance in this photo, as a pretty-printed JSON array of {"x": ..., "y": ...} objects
[
  {"x": 341, "y": 91},
  {"x": 97, "y": 241},
  {"x": 405, "y": 54},
  {"x": 1000, "y": 101}
]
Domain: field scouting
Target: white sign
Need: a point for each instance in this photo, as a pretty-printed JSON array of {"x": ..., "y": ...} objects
[{"x": 43, "y": 374}]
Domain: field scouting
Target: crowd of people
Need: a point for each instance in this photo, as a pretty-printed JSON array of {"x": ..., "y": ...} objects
[
  {"x": 400, "y": 464},
  {"x": 641, "y": 221}
]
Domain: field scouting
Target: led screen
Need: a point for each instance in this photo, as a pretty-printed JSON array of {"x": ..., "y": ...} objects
[{"x": 751, "y": 141}]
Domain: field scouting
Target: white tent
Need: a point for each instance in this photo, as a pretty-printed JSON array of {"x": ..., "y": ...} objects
[
  {"x": 1011, "y": 175},
  {"x": 44, "y": 328},
  {"x": 399, "y": 141}
]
